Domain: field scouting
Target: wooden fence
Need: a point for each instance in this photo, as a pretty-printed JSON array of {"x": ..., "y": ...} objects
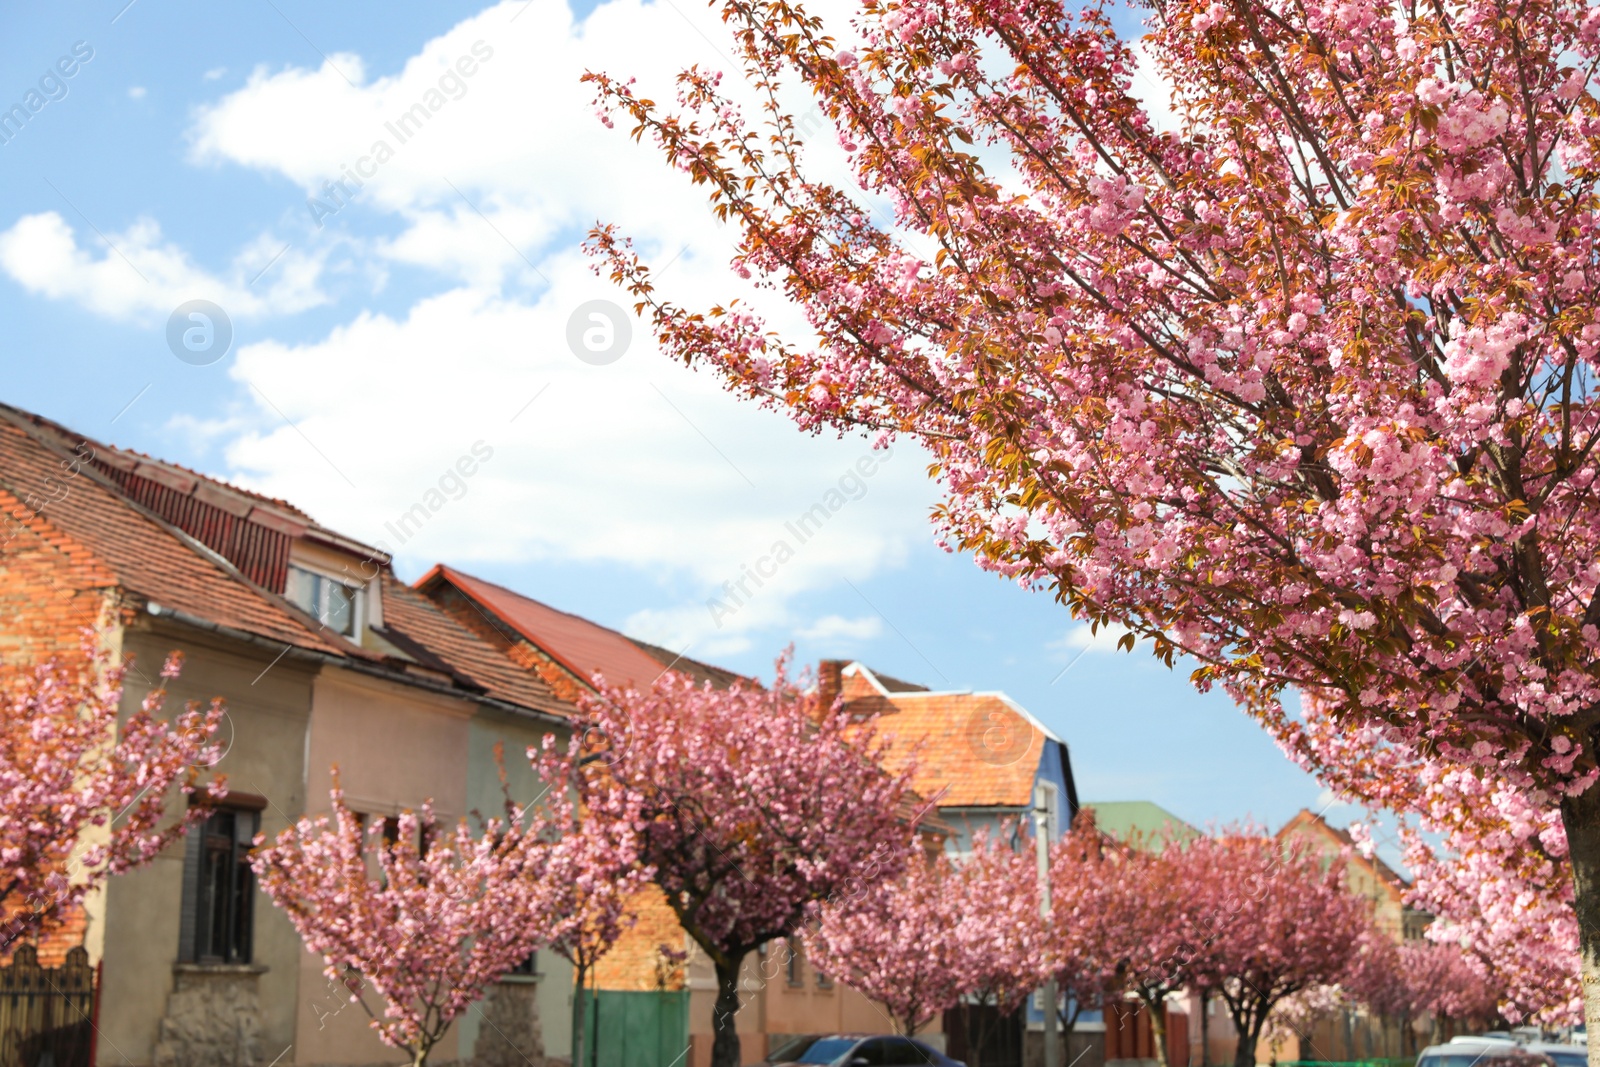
[{"x": 46, "y": 1013}]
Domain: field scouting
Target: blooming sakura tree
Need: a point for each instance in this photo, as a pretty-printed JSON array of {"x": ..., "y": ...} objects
[
  {"x": 590, "y": 871},
  {"x": 83, "y": 800},
  {"x": 752, "y": 805},
  {"x": 427, "y": 919},
  {"x": 896, "y": 942},
  {"x": 1151, "y": 929},
  {"x": 1294, "y": 378},
  {"x": 1084, "y": 946},
  {"x": 998, "y": 934},
  {"x": 1449, "y": 984},
  {"x": 1277, "y": 923}
]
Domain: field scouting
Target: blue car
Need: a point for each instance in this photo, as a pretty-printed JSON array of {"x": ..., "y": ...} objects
[{"x": 858, "y": 1050}]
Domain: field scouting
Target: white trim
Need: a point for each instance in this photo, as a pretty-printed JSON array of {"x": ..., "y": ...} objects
[{"x": 856, "y": 667}]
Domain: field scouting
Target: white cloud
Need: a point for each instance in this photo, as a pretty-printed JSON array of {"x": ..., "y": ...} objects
[
  {"x": 641, "y": 462},
  {"x": 136, "y": 92},
  {"x": 517, "y": 138},
  {"x": 493, "y": 165},
  {"x": 214, "y": 73},
  {"x": 839, "y": 628},
  {"x": 135, "y": 273},
  {"x": 1081, "y": 639}
]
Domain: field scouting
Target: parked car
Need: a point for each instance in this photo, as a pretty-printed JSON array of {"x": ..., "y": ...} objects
[
  {"x": 1483, "y": 1051},
  {"x": 1563, "y": 1055},
  {"x": 858, "y": 1050}
]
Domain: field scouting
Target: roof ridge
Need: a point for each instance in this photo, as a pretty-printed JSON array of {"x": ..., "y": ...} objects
[
  {"x": 195, "y": 545},
  {"x": 536, "y": 600},
  {"x": 66, "y": 431}
]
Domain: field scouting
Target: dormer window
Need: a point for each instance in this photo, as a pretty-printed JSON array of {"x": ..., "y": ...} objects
[{"x": 335, "y": 604}]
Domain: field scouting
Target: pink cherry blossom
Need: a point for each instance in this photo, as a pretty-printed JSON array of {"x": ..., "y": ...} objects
[
  {"x": 751, "y": 805},
  {"x": 1386, "y": 503},
  {"x": 67, "y": 772}
]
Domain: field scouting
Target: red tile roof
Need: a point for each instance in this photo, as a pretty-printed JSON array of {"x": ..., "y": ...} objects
[
  {"x": 584, "y": 648},
  {"x": 418, "y": 618},
  {"x": 118, "y": 542},
  {"x": 971, "y": 749},
  {"x": 143, "y": 554}
]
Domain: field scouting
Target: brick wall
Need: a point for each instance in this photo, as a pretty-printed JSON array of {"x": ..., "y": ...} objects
[
  {"x": 51, "y": 591},
  {"x": 636, "y": 961}
]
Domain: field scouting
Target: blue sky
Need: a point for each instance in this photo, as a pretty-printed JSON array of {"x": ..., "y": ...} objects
[{"x": 384, "y": 331}]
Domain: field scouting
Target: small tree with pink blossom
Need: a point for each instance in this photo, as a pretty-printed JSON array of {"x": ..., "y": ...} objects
[
  {"x": 999, "y": 936},
  {"x": 1082, "y": 949},
  {"x": 1277, "y": 922},
  {"x": 591, "y": 873},
  {"x": 753, "y": 804},
  {"x": 83, "y": 799},
  {"x": 426, "y": 919},
  {"x": 896, "y": 942}
]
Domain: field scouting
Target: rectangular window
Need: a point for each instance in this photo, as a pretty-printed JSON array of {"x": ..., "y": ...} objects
[
  {"x": 823, "y": 981},
  {"x": 792, "y": 964},
  {"x": 529, "y": 966},
  {"x": 220, "y": 919},
  {"x": 330, "y": 600}
]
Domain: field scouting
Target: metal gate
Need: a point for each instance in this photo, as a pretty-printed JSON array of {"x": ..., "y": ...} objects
[
  {"x": 637, "y": 1029},
  {"x": 46, "y": 1013}
]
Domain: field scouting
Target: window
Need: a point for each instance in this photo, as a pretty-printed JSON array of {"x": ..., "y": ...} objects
[
  {"x": 792, "y": 964},
  {"x": 823, "y": 981},
  {"x": 900, "y": 1051},
  {"x": 330, "y": 600},
  {"x": 874, "y": 1052},
  {"x": 219, "y": 896},
  {"x": 529, "y": 966},
  {"x": 821, "y": 1050}
]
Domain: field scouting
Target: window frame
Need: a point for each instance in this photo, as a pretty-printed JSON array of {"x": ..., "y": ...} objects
[
  {"x": 319, "y": 610},
  {"x": 218, "y": 912}
]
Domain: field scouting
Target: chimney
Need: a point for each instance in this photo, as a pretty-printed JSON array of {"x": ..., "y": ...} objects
[{"x": 830, "y": 680}]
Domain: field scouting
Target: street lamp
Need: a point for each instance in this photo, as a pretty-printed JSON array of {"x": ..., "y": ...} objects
[{"x": 1044, "y": 822}]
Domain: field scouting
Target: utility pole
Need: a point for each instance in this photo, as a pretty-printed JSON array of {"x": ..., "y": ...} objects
[{"x": 1044, "y": 807}]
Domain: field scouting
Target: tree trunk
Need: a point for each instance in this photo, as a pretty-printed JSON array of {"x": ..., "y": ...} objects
[
  {"x": 1158, "y": 1028},
  {"x": 1249, "y": 1035},
  {"x": 579, "y": 974},
  {"x": 1205, "y": 1028},
  {"x": 1581, "y": 817},
  {"x": 724, "y": 1017}
]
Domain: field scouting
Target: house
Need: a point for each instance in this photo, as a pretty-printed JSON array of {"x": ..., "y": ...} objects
[
  {"x": 978, "y": 755},
  {"x": 978, "y": 758},
  {"x": 1147, "y": 824},
  {"x": 1366, "y": 876},
  {"x": 323, "y": 658}
]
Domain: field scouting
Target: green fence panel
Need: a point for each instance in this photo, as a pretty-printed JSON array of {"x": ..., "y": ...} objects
[{"x": 637, "y": 1029}]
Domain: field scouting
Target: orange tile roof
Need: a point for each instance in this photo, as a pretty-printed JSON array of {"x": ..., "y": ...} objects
[{"x": 971, "y": 749}]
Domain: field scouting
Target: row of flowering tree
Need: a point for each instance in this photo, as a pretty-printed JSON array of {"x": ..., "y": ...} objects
[
  {"x": 1286, "y": 364},
  {"x": 743, "y": 806},
  {"x": 1262, "y": 925}
]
